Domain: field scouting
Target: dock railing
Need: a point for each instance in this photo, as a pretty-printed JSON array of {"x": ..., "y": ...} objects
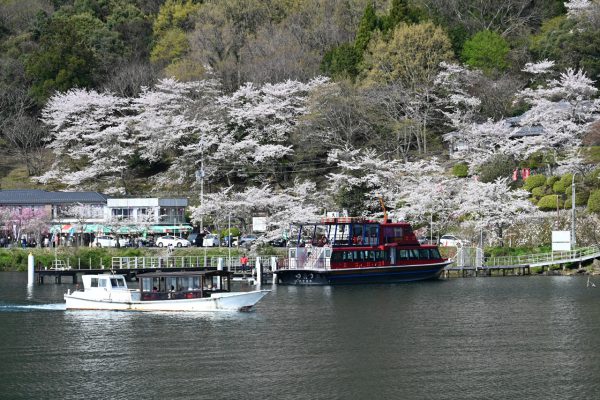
[{"x": 556, "y": 257}]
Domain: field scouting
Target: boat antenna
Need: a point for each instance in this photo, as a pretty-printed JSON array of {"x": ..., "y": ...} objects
[{"x": 385, "y": 219}]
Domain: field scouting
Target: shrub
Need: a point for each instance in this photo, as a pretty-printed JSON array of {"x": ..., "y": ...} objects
[
  {"x": 534, "y": 181},
  {"x": 539, "y": 191},
  {"x": 235, "y": 232},
  {"x": 498, "y": 167},
  {"x": 549, "y": 202},
  {"x": 593, "y": 204},
  {"x": 460, "y": 170},
  {"x": 551, "y": 180},
  {"x": 581, "y": 199},
  {"x": 563, "y": 183},
  {"x": 487, "y": 51}
]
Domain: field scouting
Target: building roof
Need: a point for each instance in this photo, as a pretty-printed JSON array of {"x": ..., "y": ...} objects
[{"x": 42, "y": 197}]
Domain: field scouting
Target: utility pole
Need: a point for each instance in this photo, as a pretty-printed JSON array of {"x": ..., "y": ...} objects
[
  {"x": 200, "y": 179},
  {"x": 573, "y": 241}
]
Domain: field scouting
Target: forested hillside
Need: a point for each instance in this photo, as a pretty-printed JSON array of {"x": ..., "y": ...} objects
[{"x": 291, "y": 107}]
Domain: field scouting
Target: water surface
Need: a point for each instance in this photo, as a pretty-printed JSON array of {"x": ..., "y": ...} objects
[{"x": 473, "y": 338}]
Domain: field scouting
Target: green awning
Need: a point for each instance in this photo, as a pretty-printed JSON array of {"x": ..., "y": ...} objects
[
  {"x": 169, "y": 228},
  {"x": 96, "y": 228}
]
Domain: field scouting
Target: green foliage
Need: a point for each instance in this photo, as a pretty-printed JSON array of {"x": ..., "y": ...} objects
[
  {"x": 352, "y": 200},
  {"x": 367, "y": 25},
  {"x": 551, "y": 180},
  {"x": 174, "y": 20},
  {"x": 171, "y": 45},
  {"x": 593, "y": 204},
  {"x": 460, "y": 170},
  {"x": 550, "y": 202},
  {"x": 581, "y": 199},
  {"x": 234, "y": 232},
  {"x": 498, "y": 167},
  {"x": 539, "y": 191},
  {"x": 74, "y": 50},
  {"x": 487, "y": 51},
  {"x": 591, "y": 154},
  {"x": 564, "y": 182},
  {"x": 515, "y": 251},
  {"x": 175, "y": 14},
  {"x": 534, "y": 181},
  {"x": 400, "y": 11},
  {"x": 570, "y": 43},
  {"x": 341, "y": 62},
  {"x": 387, "y": 60}
]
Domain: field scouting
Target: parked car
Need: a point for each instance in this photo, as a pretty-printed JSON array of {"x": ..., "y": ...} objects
[
  {"x": 109, "y": 241},
  {"x": 277, "y": 242},
  {"x": 451, "y": 240},
  {"x": 245, "y": 240},
  {"x": 227, "y": 241},
  {"x": 148, "y": 242},
  {"x": 173, "y": 241},
  {"x": 196, "y": 239},
  {"x": 211, "y": 240}
]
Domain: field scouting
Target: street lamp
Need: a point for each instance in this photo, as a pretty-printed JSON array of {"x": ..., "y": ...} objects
[{"x": 573, "y": 241}]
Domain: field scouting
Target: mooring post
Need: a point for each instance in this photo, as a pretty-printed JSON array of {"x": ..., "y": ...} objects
[
  {"x": 273, "y": 269},
  {"x": 258, "y": 271},
  {"x": 219, "y": 268},
  {"x": 30, "y": 270}
]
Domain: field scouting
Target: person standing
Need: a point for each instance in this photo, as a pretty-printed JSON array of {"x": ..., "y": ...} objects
[{"x": 244, "y": 262}]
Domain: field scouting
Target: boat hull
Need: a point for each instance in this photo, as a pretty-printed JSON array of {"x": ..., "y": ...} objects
[
  {"x": 238, "y": 301},
  {"x": 395, "y": 274}
]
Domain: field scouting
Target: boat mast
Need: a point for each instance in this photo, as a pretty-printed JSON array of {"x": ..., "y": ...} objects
[{"x": 385, "y": 219}]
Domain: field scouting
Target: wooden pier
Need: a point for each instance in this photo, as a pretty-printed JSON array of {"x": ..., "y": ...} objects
[{"x": 495, "y": 270}]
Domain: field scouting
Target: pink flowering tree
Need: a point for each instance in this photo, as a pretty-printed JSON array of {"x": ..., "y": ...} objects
[{"x": 19, "y": 222}]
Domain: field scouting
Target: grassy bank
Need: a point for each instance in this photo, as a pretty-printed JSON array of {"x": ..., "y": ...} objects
[{"x": 15, "y": 259}]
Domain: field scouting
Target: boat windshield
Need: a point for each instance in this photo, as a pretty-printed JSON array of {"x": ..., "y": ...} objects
[{"x": 117, "y": 282}]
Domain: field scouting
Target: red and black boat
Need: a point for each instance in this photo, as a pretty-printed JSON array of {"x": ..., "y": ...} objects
[{"x": 345, "y": 250}]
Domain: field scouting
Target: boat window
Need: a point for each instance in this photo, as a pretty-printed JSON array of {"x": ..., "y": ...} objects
[
  {"x": 435, "y": 253},
  {"x": 117, "y": 282},
  {"x": 147, "y": 284},
  {"x": 94, "y": 282},
  {"x": 357, "y": 234},
  {"x": 102, "y": 283},
  {"x": 183, "y": 284},
  {"x": 337, "y": 256},
  {"x": 195, "y": 283},
  {"x": 372, "y": 234},
  {"x": 392, "y": 234},
  {"x": 424, "y": 253},
  {"x": 171, "y": 283}
]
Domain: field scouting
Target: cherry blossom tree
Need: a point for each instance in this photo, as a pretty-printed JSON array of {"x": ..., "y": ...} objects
[
  {"x": 297, "y": 203},
  {"x": 25, "y": 220},
  {"x": 559, "y": 112},
  {"x": 90, "y": 140}
]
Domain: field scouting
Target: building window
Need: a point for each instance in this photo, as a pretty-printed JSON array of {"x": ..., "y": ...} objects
[{"x": 121, "y": 213}]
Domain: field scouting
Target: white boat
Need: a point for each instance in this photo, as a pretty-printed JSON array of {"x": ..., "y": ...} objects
[{"x": 163, "y": 291}]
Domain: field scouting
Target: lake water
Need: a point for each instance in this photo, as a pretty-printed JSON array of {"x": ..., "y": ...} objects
[{"x": 472, "y": 338}]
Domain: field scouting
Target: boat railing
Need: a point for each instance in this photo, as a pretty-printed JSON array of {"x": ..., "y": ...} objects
[
  {"x": 231, "y": 263},
  {"x": 308, "y": 258}
]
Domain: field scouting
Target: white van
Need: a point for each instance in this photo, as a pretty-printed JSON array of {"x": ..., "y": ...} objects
[{"x": 211, "y": 240}]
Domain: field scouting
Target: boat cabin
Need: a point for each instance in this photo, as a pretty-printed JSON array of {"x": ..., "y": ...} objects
[
  {"x": 183, "y": 285},
  {"x": 104, "y": 282},
  {"x": 346, "y": 242},
  {"x": 355, "y": 232}
]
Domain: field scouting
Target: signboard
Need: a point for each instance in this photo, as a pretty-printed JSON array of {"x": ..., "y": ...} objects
[
  {"x": 259, "y": 224},
  {"x": 561, "y": 240}
]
